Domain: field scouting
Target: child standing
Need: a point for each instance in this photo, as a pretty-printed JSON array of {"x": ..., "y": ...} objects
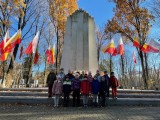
[
  {"x": 76, "y": 90},
  {"x": 114, "y": 85},
  {"x": 95, "y": 90},
  {"x": 90, "y": 78},
  {"x": 103, "y": 91},
  {"x": 66, "y": 90},
  {"x": 85, "y": 90},
  {"x": 57, "y": 90}
]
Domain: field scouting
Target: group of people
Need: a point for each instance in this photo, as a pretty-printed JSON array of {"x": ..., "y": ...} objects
[{"x": 85, "y": 85}]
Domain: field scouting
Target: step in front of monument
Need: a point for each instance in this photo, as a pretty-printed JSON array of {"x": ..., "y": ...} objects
[
  {"x": 126, "y": 91},
  {"x": 110, "y": 102},
  {"x": 44, "y": 94},
  {"x": 39, "y": 96}
]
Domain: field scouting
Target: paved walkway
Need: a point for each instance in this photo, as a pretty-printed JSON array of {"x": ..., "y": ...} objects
[{"x": 46, "y": 112}]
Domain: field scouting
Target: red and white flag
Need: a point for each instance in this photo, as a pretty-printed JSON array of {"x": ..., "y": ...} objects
[
  {"x": 134, "y": 57},
  {"x": 4, "y": 52},
  {"x": 32, "y": 45},
  {"x": 120, "y": 48},
  {"x": 36, "y": 57},
  {"x": 48, "y": 54},
  {"x": 3, "y": 42}
]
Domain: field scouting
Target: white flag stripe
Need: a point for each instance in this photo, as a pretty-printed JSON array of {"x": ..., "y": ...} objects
[{"x": 35, "y": 42}]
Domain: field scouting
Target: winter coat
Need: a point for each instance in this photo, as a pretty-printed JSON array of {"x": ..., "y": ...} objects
[
  {"x": 95, "y": 85},
  {"x": 113, "y": 82},
  {"x": 85, "y": 87},
  {"x": 90, "y": 78},
  {"x": 103, "y": 87},
  {"x": 98, "y": 77},
  {"x": 51, "y": 78},
  {"x": 75, "y": 84},
  {"x": 57, "y": 87},
  {"x": 66, "y": 87},
  {"x": 107, "y": 79}
]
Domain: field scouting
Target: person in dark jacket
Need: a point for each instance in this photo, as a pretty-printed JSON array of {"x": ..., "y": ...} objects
[
  {"x": 66, "y": 90},
  {"x": 95, "y": 90},
  {"x": 50, "y": 80},
  {"x": 70, "y": 74},
  {"x": 107, "y": 83},
  {"x": 98, "y": 75},
  {"x": 75, "y": 87},
  {"x": 103, "y": 91},
  {"x": 114, "y": 85}
]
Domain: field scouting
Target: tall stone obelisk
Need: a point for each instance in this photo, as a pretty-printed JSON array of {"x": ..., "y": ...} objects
[{"x": 79, "y": 51}]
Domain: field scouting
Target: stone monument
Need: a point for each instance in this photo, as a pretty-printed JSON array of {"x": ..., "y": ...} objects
[{"x": 79, "y": 51}]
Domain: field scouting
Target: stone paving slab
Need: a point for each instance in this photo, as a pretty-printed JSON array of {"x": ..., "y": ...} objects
[
  {"x": 44, "y": 94},
  {"x": 45, "y": 89},
  {"x": 48, "y": 112}
]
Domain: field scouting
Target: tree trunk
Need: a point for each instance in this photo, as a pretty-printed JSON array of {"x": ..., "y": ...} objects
[
  {"x": 122, "y": 68},
  {"x": 15, "y": 49},
  {"x": 144, "y": 76},
  {"x": 146, "y": 66},
  {"x": 110, "y": 65},
  {"x": 122, "y": 64},
  {"x": 57, "y": 52}
]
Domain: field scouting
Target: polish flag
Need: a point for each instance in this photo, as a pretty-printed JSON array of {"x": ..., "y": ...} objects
[
  {"x": 120, "y": 48},
  {"x": 48, "y": 53},
  {"x": 3, "y": 42},
  {"x": 4, "y": 53},
  {"x": 36, "y": 58},
  {"x": 32, "y": 45}
]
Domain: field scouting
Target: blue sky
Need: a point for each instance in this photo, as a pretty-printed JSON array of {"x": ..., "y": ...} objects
[{"x": 101, "y": 10}]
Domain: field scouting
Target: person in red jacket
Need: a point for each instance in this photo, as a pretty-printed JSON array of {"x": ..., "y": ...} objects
[
  {"x": 114, "y": 85},
  {"x": 85, "y": 90}
]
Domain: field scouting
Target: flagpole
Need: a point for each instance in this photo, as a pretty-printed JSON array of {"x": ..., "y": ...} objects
[
  {"x": 30, "y": 70},
  {"x": 110, "y": 63},
  {"x": 4, "y": 75}
]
